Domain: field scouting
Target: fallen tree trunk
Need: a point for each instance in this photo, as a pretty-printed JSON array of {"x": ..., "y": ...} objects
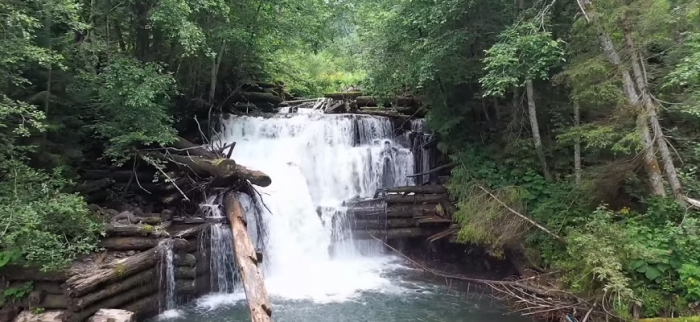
[
  {"x": 128, "y": 243},
  {"x": 389, "y": 114},
  {"x": 256, "y": 97},
  {"x": 82, "y": 284},
  {"x": 428, "y": 189},
  {"x": 383, "y": 224},
  {"x": 145, "y": 277},
  {"x": 369, "y": 101},
  {"x": 20, "y": 273},
  {"x": 38, "y": 298},
  {"x": 394, "y": 233},
  {"x": 413, "y": 198},
  {"x": 223, "y": 170},
  {"x": 393, "y": 211},
  {"x": 246, "y": 258}
]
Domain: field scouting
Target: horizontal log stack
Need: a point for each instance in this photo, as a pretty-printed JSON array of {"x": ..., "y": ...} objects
[
  {"x": 399, "y": 107},
  {"x": 401, "y": 212}
]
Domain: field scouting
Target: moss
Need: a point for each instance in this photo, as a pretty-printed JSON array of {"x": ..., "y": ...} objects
[
  {"x": 120, "y": 269},
  {"x": 679, "y": 319},
  {"x": 147, "y": 229}
]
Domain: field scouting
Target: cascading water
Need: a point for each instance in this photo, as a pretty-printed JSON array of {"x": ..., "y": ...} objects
[
  {"x": 167, "y": 280},
  {"x": 316, "y": 162}
]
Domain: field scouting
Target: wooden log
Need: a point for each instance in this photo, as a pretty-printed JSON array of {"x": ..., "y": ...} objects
[
  {"x": 185, "y": 259},
  {"x": 437, "y": 169},
  {"x": 256, "y": 97},
  {"x": 128, "y": 243},
  {"x": 184, "y": 272},
  {"x": 413, "y": 198},
  {"x": 392, "y": 211},
  {"x": 92, "y": 186},
  {"x": 246, "y": 259},
  {"x": 145, "y": 277},
  {"x": 82, "y": 284},
  {"x": 364, "y": 101},
  {"x": 343, "y": 95},
  {"x": 38, "y": 298},
  {"x": 20, "y": 273},
  {"x": 44, "y": 286},
  {"x": 116, "y": 301},
  {"x": 389, "y": 114},
  {"x": 193, "y": 231},
  {"x": 134, "y": 230},
  {"x": 428, "y": 189},
  {"x": 224, "y": 170},
  {"x": 365, "y": 224},
  {"x": 144, "y": 307},
  {"x": 184, "y": 286},
  {"x": 393, "y": 233}
]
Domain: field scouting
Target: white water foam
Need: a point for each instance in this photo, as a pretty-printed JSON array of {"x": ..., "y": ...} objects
[{"x": 316, "y": 162}]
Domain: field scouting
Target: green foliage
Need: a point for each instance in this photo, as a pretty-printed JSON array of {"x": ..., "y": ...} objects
[
  {"x": 43, "y": 225},
  {"x": 130, "y": 106},
  {"x": 523, "y": 52},
  {"x": 15, "y": 294}
]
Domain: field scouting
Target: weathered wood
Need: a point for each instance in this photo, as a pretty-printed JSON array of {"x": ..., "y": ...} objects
[
  {"x": 343, "y": 95},
  {"x": 38, "y": 298},
  {"x": 144, "y": 307},
  {"x": 437, "y": 169},
  {"x": 116, "y": 301},
  {"x": 184, "y": 272},
  {"x": 365, "y": 101},
  {"x": 113, "y": 315},
  {"x": 193, "y": 231},
  {"x": 82, "y": 284},
  {"x": 145, "y": 277},
  {"x": 185, "y": 286},
  {"x": 394, "y": 233},
  {"x": 383, "y": 224},
  {"x": 387, "y": 113},
  {"x": 134, "y": 230},
  {"x": 183, "y": 146},
  {"x": 20, "y": 273},
  {"x": 184, "y": 259},
  {"x": 413, "y": 198},
  {"x": 392, "y": 211},
  {"x": 224, "y": 170},
  {"x": 428, "y": 189},
  {"x": 251, "y": 275},
  {"x": 128, "y": 243},
  {"x": 257, "y": 97},
  {"x": 48, "y": 316}
]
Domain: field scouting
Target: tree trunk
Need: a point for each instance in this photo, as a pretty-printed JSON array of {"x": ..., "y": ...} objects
[
  {"x": 650, "y": 163},
  {"x": 577, "y": 143},
  {"x": 534, "y": 125},
  {"x": 137, "y": 230},
  {"x": 651, "y": 108},
  {"x": 246, "y": 258},
  {"x": 117, "y": 301}
]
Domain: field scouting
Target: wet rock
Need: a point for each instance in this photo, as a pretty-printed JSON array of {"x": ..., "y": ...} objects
[
  {"x": 131, "y": 253},
  {"x": 48, "y": 316},
  {"x": 113, "y": 315}
]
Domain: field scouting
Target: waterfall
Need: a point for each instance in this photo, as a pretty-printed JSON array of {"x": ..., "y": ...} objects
[
  {"x": 167, "y": 281},
  {"x": 316, "y": 162},
  {"x": 423, "y": 156}
]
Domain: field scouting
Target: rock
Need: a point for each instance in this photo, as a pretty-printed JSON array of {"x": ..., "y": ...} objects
[
  {"x": 131, "y": 253},
  {"x": 113, "y": 315},
  {"x": 47, "y": 316}
]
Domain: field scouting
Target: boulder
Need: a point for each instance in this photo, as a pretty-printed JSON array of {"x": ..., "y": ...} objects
[
  {"x": 47, "y": 316},
  {"x": 113, "y": 315}
]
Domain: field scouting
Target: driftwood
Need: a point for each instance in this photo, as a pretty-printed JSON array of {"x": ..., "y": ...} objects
[
  {"x": 190, "y": 232},
  {"x": 145, "y": 277},
  {"x": 82, "y": 284},
  {"x": 413, "y": 198},
  {"x": 246, "y": 258},
  {"x": 429, "y": 189},
  {"x": 225, "y": 171}
]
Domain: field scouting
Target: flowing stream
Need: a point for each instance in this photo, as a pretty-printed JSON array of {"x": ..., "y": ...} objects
[{"x": 316, "y": 162}]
